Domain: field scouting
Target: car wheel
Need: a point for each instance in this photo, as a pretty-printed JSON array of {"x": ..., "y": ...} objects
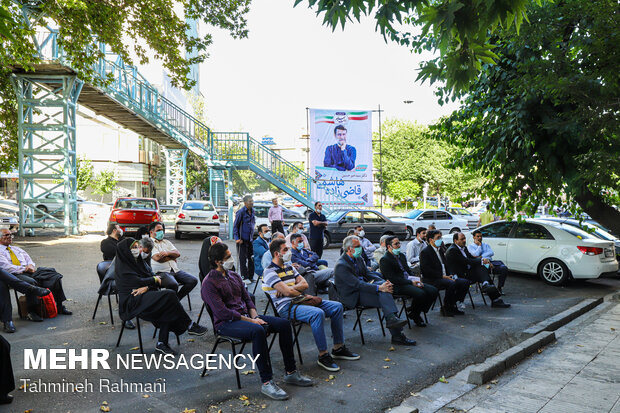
[
  {"x": 42, "y": 208},
  {"x": 326, "y": 240},
  {"x": 409, "y": 233},
  {"x": 177, "y": 235},
  {"x": 455, "y": 229},
  {"x": 553, "y": 272}
]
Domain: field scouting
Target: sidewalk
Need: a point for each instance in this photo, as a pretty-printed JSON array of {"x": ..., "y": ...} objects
[{"x": 578, "y": 373}]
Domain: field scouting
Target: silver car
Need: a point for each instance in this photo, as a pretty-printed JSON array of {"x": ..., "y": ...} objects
[
  {"x": 9, "y": 216},
  {"x": 472, "y": 219},
  {"x": 196, "y": 217}
]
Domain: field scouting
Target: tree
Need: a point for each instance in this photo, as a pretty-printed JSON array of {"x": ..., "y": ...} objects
[
  {"x": 197, "y": 173},
  {"x": 460, "y": 30},
  {"x": 85, "y": 174},
  {"x": 401, "y": 190},
  {"x": 543, "y": 123},
  {"x": 409, "y": 154},
  {"x": 157, "y": 24},
  {"x": 105, "y": 183}
]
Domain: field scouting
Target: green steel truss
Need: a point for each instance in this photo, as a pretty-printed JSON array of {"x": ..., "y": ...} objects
[{"x": 176, "y": 164}]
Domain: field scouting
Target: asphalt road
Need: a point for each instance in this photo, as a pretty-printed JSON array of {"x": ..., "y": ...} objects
[{"x": 381, "y": 379}]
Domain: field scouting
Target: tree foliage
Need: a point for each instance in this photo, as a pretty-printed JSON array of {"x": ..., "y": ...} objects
[
  {"x": 85, "y": 174},
  {"x": 460, "y": 30},
  {"x": 544, "y": 121},
  {"x": 409, "y": 154},
  {"x": 104, "y": 183}
]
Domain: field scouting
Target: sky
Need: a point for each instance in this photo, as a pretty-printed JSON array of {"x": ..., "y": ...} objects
[{"x": 290, "y": 61}]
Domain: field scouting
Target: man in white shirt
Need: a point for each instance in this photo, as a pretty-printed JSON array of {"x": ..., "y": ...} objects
[
  {"x": 368, "y": 246},
  {"x": 276, "y": 217},
  {"x": 164, "y": 263},
  {"x": 414, "y": 248}
]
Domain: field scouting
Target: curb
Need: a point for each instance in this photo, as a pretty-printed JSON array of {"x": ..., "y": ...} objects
[
  {"x": 539, "y": 335},
  {"x": 563, "y": 318}
]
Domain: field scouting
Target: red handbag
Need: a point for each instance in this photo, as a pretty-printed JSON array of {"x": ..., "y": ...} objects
[{"x": 49, "y": 304}]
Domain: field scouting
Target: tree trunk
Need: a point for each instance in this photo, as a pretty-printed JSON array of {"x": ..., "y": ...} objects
[{"x": 601, "y": 212}]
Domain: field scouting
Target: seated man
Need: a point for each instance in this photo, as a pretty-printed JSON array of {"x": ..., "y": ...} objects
[
  {"x": 308, "y": 259},
  {"x": 282, "y": 282},
  {"x": 395, "y": 269},
  {"x": 108, "y": 245},
  {"x": 368, "y": 246},
  {"x": 261, "y": 246},
  {"x": 414, "y": 248},
  {"x": 164, "y": 263},
  {"x": 234, "y": 315},
  {"x": 380, "y": 252},
  {"x": 464, "y": 265},
  {"x": 267, "y": 258},
  {"x": 433, "y": 267},
  {"x": 6, "y": 310},
  {"x": 481, "y": 249},
  {"x": 298, "y": 228},
  {"x": 17, "y": 262},
  {"x": 354, "y": 289}
]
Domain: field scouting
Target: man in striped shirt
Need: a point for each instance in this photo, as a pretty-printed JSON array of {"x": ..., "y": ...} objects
[{"x": 283, "y": 283}]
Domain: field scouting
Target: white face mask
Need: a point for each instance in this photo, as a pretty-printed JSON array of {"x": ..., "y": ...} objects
[
  {"x": 361, "y": 233},
  {"x": 135, "y": 252},
  {"x": 120, "y": 232},
  {"x": 267, "y": 234},
  {"x": 144, "y": 255},
  {"x": 229, "y": 263},
  {"x": 287, "y": 256}
]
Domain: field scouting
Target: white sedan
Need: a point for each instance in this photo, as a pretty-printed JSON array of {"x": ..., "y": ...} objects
[
  {"x": 196, "y": 217},
  {"x": 443, "y": 221},
  {"x": 556, "y": 252}
]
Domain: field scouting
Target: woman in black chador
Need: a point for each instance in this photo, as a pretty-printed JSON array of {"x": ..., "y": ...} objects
[{"x": 139, "y": 295}]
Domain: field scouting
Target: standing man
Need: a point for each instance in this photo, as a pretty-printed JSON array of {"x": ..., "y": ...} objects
[
  {"x": 108, "y": 245},
  {"x": 318, "y": 222},
  {"x": 243, "y": 230},
  {"x": 481, "y": 249},
  {"x": 276, "y": 217},
  {"x": 486, "y": 217},
  {"x": 340, "y": 155}
]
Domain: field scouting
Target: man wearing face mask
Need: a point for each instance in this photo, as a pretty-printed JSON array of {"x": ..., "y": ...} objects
[
  {"x": 108, "y": 245},
  {"x": 308, "y": 259},
  {"x": 318, "y": 223},
  {"x": 164, "y": 263},
  {"x": 434, "y": 272},
  {"x": 369, "y": 248},
  {"x": 296, "y": 228},
  {"x": 394, "y": 268},
  {"x": 261, "y": 246},
  {"x": 235, "y": 315}
]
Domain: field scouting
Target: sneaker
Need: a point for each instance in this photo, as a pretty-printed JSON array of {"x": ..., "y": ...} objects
[
  {"x": 327, "y": 362},
  {"x": 248, "y": 282},
  {"x": 33, "y": 317},
  {"x": 271, "y": 389},
  {"x": 197, "y": 330},
  {"x": 130, "y": 325},
  {"x": 164, "y": 348},
  {"x": 296, "y": 379},
  {"x": 456, "y": 311},
  {"x": 343, "y": 353}
]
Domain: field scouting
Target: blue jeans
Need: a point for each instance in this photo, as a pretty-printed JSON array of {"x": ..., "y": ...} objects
[
  {"x": 315, "y": 316},
  {"x": 258, "y": 334}
]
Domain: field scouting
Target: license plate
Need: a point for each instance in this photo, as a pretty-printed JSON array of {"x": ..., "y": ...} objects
[{"x": 196, "y": 218}]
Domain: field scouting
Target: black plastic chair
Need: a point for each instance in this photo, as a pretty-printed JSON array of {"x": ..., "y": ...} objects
[
  {"x": 359, "y": 310},
  {"x": 473, "y": 306},
  {"x": 102, "y": 268},
  {"x": 295, "y": 324},
  {"x": 234, "y": 342},
  {"x": 403, "y": 309},
  {"x": 120, "y": 335}
]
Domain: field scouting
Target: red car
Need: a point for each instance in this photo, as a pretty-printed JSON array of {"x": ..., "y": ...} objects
[{"x": 131, "y": 213}]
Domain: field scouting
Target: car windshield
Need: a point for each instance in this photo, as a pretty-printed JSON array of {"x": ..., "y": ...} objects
[
  {"x": 335, "y": 215},
  {"x": 461, "y": 211},
  {"x": 136, "y": 204},
  {"x": 412, "y": 214},
  {"x": 197, "y": 206}
]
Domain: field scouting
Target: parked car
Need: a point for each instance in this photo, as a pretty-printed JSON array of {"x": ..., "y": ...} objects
[
  {"x": 54, "y": 201},
  {"x": 375, "y": 224},
  {"x": 472, "y": 219},
  {"x": 599, "y": 232},
  {"x": 443, "y": 220},
  {"x": 555, "y": 251},
  {"x": 196, "y": 217},
  {"x": 131, "y": 213},
  {"x": 262, "y": 215},
  {"x": 9, "y": 216}
]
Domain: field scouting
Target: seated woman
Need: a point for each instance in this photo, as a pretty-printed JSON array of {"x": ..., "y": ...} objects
[
  {"x": 234, "y": 315},
  {"x": 139, "y": 295}
]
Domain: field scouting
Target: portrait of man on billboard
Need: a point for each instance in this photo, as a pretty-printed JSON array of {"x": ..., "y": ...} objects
[{"x": 340, "y": 155}]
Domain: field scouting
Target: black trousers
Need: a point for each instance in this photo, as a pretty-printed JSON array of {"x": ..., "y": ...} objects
[
  {"x": 456, "y": 290},
  {"x": 422, "y": 297},
  {"x": 480, "y": 274},
  {"x": 7, "y": 381},
  {"x": 502, "y": 272},
  {"x": 171, "y": 280},
  {"x": 245, "y": 250},
  {"x": 316, "y": 245},
  {"x": 276, "y": 226},
  {"x": 9, "y": 280},
  {"x": 54, "y": 286}
]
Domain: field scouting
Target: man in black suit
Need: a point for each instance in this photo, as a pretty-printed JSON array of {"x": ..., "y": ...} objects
[
  {"x": 395, "y": 269},
  {"x": 464, "y": 265},
  {"x": 434, "y": 271},
  {"x": 351, "y": 277},
  {"x": 7, "y": 381}
]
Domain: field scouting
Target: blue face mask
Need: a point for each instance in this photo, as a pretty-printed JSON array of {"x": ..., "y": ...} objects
[
  {"x": 438, "y": 242},
  {"x": 300, "y": 245},
  {"x": 487, "y": 265},
  {"x": 159, "y": 235},
  {"x": 358, "y": 252},
  {"x": 396, "y": 251}
]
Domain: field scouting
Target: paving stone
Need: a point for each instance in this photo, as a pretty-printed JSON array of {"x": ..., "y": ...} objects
[{"x": 560, "y": 406}]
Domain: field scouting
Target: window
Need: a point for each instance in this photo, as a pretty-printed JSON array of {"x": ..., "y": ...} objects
[
  {"x": 532, "y": 231},
  {"x": 371, "y": 217},
  {"x": 412, "y": 214},
  {"x": 499, "y": 230},
  {"x": 261, "y": 212},
  {"x": 197, "y": 206},
  {"x": 136, "y": 204},
  {"x": 353, "y": 217},
  {"x": 442, "y": 215},
  {"x": 427, "y": 216}
]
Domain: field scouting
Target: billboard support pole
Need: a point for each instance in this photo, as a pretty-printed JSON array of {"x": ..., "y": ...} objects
[{"x": 380, "y": 161}]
